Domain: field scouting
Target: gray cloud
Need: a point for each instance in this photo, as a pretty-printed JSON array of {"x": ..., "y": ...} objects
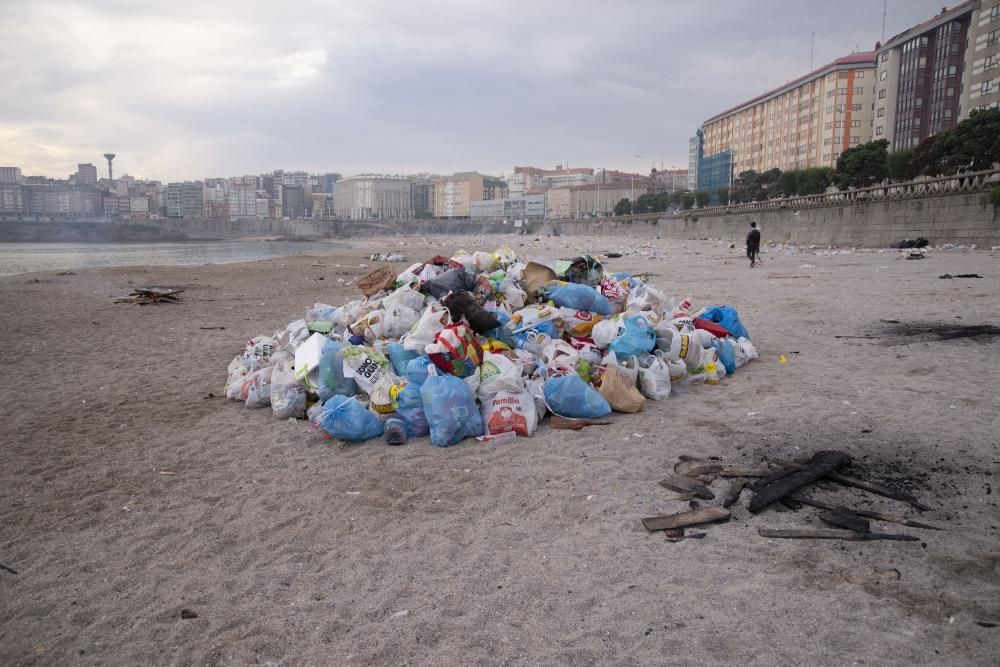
[{"x": 185, "y": 89}]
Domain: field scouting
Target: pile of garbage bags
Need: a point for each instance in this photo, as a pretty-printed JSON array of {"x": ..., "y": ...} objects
[{"x": 482, "y": 344}]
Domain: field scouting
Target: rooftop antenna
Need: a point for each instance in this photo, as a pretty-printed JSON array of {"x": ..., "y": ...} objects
[
  {"x": 109, "y": 157},
  {"x": 812, "y": 47},
  {"x": 884, "y": 3}
]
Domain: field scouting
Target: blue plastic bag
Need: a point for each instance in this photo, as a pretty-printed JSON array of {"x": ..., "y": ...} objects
[
  {"x": 727, "y": 354},
  {"x": 331, "y": 373},
  {"x": 410, "y": 408},
  {"x": 579, "y": 297},
  {"x": 345, "y": 418},
  {"x": 416, "y": 369},
  {"x": 729, "y": 318},
  {"x": 400, "y": 357},
  {"x": 451, "y": 409},
  {"x": 637, "y": 339},
  {"x": 570, "y": 396}
]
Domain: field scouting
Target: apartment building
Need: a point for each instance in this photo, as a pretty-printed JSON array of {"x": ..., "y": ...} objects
[
  {"x": 185, "y": 200},
  {"x": 592, "y": 199},
  {"x": 921, "y": 77},
  {"x": 242, "y": 200},
  {"x": 808, "y": 122},
  {"x": 86, "y": 174},
  {"x": 422, "y": 195},
  {"x": 453, "y": 195},
  {"x": 10, "y": 175},
  {"x": 983, "y": 90},
  {"x": 511, "y": 208},
  {"x": 372, "y": 196}
]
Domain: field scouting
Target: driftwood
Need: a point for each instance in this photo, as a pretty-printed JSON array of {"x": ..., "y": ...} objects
[
  {"x": 681, "y": 519},
  {"x": 696, "y": 468},
  {"x": 560, "y": 422},
  {"x": 865, "y": 486},
  {"x": 687, "y": 485},
  {"x": 144, "y": 297},
  {"x": 734, "y": 491},
  {"x": 833, "y": 535},
  {"x": 745, "y": 472},
  {"x": 848, "y": 520},
  {"x": 878, "y": 516},
  {"x": 821, "y": 464}
]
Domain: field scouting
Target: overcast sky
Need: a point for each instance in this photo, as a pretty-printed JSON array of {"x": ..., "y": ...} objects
[{"x": 191, "y": 89}]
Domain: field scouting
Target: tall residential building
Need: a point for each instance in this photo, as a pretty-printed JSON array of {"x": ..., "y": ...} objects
[
  {"x": 922, "y": 75},
  {"x": 242, "y": 200},
  {"x": 714, "y": 171},
  {"x": 422, "y": 195},
  {"x": 808, "y": 122},
  {"x": 10, "y": 175},
  {"x": 454, "y": 194},
  {"x": 984, "y": 54},
  {"x": 293, "y": 200},
  {"x": 86, "y": 174},
  {"x": 11, "y": 199},
  {"x": 185, "y": 200},
  {"x": 694, "y": 144},
  {"x": 372, "y": 196}
]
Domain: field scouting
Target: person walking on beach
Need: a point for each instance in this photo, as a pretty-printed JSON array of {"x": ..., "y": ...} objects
[{"x": 753, "y": 245}]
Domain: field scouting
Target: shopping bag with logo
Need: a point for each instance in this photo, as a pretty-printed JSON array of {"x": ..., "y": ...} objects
[{"x": 455, "y": 350}]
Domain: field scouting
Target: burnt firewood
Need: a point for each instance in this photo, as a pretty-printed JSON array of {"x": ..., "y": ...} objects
[{"x": 821, "y": 464}]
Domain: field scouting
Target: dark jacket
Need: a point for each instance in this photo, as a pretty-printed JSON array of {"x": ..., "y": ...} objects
[{"x": 753, "y": 238}]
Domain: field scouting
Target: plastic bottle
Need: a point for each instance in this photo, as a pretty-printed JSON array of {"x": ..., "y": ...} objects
[
  {"x": 395, "y": 431},
  {"x": 713, "y": 373}
]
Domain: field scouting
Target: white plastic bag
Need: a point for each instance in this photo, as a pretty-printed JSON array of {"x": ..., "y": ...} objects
[
  {"x": 668, "y": 340},
  {"x": 691, "y": 350},
  {"x": 509, "y": 411},
  {"x": 498, "y": 373},
  {"x": 745, "y": 352},
  {"x": 536, "y": 389},
  {"x": 259, "y": 390},
  {"x": 405, "y": 296},
  {"x": 484, "y": 262},
  {"x": 706, "y": 338},
  {"x": 606, "y": 331},
  {"x": 629, "y": 369},
  {"x": 432, "y": 321},
  {"x": 288, "y": 395},
  {"x": 654, "y": 378}
]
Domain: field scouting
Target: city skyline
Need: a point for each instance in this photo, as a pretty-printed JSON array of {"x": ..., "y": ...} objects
[{"x": 381, "y": 87}]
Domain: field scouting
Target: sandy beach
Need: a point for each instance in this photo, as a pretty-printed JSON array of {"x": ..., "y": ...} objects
[{"x": 130, "y": 490}]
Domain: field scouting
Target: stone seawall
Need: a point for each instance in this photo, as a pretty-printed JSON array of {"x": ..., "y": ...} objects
[{"x": 959, "y": 218}]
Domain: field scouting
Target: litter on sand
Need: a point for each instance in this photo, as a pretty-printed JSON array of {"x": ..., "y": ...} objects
[{"x": 484, "y": 344}]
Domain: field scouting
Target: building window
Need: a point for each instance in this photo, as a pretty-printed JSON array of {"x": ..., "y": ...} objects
[
  {"x": 842, "y": 91},
  {"x": 855, "y": 107},
  {"x": 986, "y": 87},
  {"x": 882, "y": 75},
  {"x": 885, "y": 56},
  {"x": 947, "y": 113},
  {"x": 952, "y": 70},
  {"x": 923, "y": 41},
  {"x": 881, "y": 94},
  {"x": 859, "y": 90},
  {"x": 993, "y": 38},
  {"x": 855, "y": 139},
  {"x": 949, "y": 93},
  {"x": 879, "y": 130},
  {"x": 829, "y": 109},
  {"x": 991, "y": 61},
  {"x": 859, "y": 74},
  {"x": 840, "y": 108},
  {"x": 842, "y": 74},
  {"x": 995, "y": 13},
  {"x": 855, "y": 123}
]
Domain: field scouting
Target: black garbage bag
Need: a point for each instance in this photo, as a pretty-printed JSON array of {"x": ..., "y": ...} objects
[
  {"x": 585, "y": 270},
  {"x": 454, "y": 280},
  {"x": 464, "y": 304}
]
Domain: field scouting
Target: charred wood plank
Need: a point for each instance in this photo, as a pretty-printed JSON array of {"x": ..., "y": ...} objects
[{"x": 821, "y": 464}]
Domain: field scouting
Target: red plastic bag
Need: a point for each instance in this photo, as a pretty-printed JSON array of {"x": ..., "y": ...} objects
[{"x": 711, "y": 327}]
